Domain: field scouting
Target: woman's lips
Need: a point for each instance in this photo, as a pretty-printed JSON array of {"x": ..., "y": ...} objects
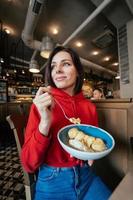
[{"x": 60, "y": 78}]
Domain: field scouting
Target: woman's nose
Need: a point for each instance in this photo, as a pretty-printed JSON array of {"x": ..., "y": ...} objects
[{"x": 58, "y": 68}]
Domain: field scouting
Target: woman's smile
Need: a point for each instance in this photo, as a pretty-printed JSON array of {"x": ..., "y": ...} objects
[{"x": 61, "y": 78}]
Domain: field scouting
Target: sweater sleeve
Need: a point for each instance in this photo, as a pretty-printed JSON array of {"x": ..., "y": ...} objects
[{"x": 35, "y": 144}]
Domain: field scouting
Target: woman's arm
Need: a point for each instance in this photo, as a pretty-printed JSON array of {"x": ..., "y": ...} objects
[
  {"x": 35, "y": 144},
  {"x": 37, "y": 137}
]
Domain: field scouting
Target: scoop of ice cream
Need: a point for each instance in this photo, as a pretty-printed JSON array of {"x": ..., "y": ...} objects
[
  {"x": 72, "y": 133},
  {"x": 98, "y": 145}
]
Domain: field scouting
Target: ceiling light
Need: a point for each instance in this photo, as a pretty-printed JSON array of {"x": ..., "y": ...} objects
[
  {"x": 34, "y": 67},
  {"x": 45, "y": 53},
  {"x": 115, "y": 64},
  {"x": 7, "y": 30},
  {"x": 95, "y": 53},
  {"x": 55, "y": 31},
  {"x": 79, "y": 44},
  {"x": 7, "y": 74},
  {"x": 46, "y": 47},
  {"x": 1, "y": 60},
  {"x": 107, "y": 58}
]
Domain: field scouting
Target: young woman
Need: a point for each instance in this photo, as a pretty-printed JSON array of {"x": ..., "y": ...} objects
[{"x": 60, "y": 176}]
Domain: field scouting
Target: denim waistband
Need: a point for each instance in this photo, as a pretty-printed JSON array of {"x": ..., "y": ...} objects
[{"x": 64, "y": 168}]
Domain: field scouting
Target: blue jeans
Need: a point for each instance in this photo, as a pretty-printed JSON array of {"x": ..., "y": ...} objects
[{"x": 75, "y": 183}]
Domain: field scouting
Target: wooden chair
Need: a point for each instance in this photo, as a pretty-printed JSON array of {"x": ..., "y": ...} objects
[{"x": 17, "y": 123}]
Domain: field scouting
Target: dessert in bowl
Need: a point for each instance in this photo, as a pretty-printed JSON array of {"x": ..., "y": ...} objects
[{"x": 85, "y": 142}]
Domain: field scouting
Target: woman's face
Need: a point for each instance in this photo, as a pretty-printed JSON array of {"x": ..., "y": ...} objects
[{"x": 64, "y": 73}]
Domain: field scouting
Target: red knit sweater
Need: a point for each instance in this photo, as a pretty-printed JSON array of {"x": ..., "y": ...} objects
[{"x": 39, "y": 149}]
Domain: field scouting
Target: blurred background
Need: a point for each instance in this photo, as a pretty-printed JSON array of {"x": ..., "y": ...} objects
[{"x": 29, "y": 30}]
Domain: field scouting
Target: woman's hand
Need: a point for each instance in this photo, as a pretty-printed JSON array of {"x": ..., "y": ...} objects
[
  {"x": 90, "y": 162},
  {"x": 43, "y": 101}
]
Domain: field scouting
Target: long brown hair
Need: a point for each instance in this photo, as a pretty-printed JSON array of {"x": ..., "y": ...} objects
[{"x": 76, "y": 62}]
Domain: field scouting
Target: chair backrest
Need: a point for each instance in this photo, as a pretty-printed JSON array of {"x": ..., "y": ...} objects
[{"x": 17, "y": 123}]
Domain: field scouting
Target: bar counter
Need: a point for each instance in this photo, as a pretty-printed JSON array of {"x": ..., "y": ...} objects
[{"x": 24, "y": 106}]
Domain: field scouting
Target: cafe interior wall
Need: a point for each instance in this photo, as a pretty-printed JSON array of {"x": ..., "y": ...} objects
[{"x": 125, "y": 49}]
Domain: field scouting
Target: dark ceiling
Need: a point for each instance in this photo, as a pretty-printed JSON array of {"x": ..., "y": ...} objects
[{"x": 67, "y": 16}]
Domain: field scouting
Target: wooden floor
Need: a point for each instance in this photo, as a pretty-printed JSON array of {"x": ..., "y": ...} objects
[{"x": 11, "y": 177}]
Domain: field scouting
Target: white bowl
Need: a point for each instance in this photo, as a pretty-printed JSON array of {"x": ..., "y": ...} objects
[{"x": 90, "y": 130}]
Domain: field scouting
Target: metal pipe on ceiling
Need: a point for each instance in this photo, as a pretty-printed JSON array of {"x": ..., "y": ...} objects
[
  {"x": 91, "y": 17},
  {"x": 97, "y": 67},
  {"x": 85, "y": 23},
  {"x": 34, "y": 55},
  {"x": 34, "y": 11},
  {"x": 20, "y": 66},
  {"x": 19, "y": 60},
  {"x": 130, "y": 5}
]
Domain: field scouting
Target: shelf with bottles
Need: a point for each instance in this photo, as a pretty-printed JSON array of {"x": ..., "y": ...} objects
[{"x": 19, "y": 93}]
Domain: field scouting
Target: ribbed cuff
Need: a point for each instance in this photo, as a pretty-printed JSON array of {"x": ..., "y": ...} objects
[{"x": 42, "y": 139}]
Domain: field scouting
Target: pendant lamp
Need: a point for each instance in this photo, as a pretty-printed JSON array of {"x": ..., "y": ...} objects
[
  {"x": 46, "y": 47},
  {"x": 34, "y": 67}
]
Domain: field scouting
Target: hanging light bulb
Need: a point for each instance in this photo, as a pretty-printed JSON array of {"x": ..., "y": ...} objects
[
  {"x": 117, "y": 76},
  {"x": 23, "y": 72},
  {"x": 1, "y": 60},
  {"x": 47, "y": 46},
  {"x": 7, "y": 73},
  {"x": 7, "y": 30},
  {"x": 34, "y": 67}
]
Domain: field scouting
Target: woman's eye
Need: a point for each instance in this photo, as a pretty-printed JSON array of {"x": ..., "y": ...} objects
[{"x": 66, "y": 64}]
